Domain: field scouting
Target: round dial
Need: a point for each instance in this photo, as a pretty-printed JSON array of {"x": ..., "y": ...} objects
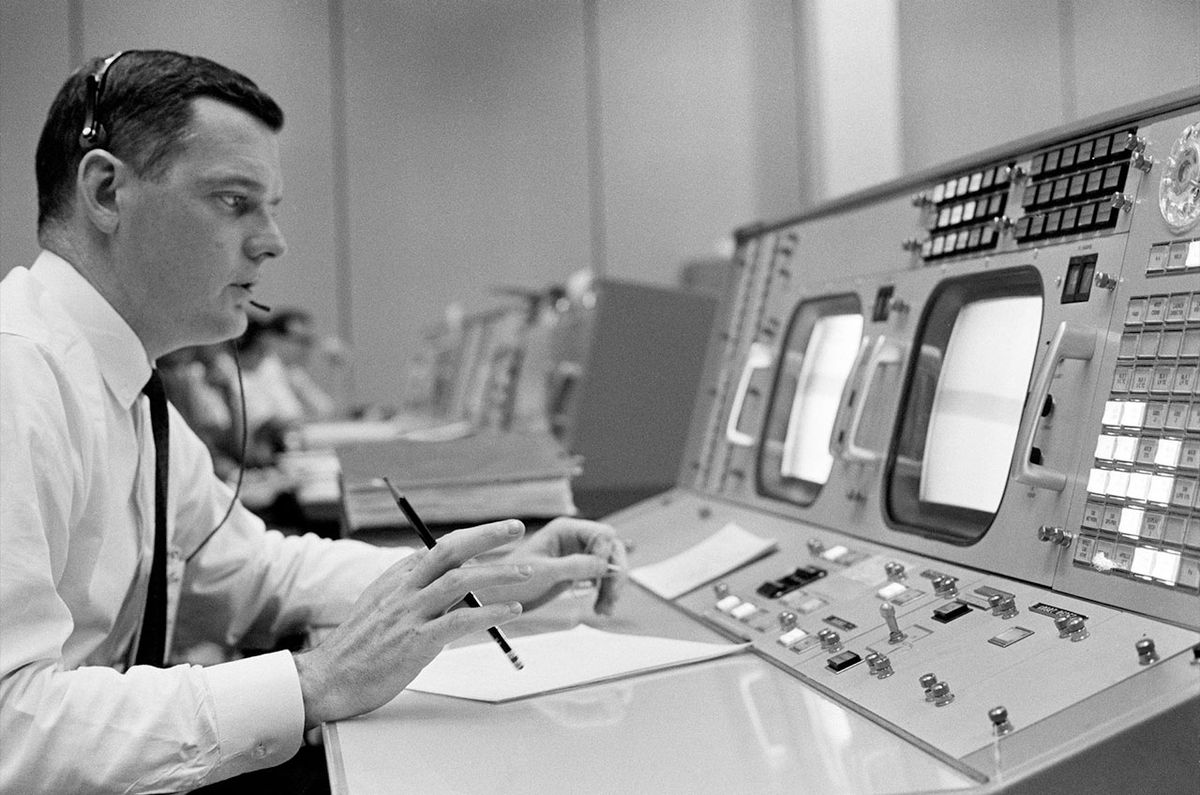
[{"x": 1179, "y": 190}]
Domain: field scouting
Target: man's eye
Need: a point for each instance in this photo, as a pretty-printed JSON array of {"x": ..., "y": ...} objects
[{"x": 233, "y": 201}]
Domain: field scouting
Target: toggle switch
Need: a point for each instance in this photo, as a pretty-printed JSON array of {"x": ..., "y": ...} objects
[
  {"x": 1145, "y": 651},
  {"x": 895, "y": 571},
  {"x": 721, "y": 589},
  {"x": 945, "y": 585},
  {"x": 830, "y": 640},
  {"x": 1000, "y": 723},
  {"x": 815, "y": 547},
  {"x": 879, "y": 666},
  {"x": 1003, "y": 605},
  {"x": 1074, "y": 629},
  {"x": 787, "y": 620},
  {"x": 895, "y": 634},
  {"x": 941, "y": 695}
]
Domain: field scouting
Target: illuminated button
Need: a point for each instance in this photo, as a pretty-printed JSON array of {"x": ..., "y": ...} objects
[
  {"x": 1175, "y": 528},
  {"x": 976, "y": 182},
  {"x": 956, "y": 214},
  {"x": 1176, "y": 419},
  {"x": 1068, "y": 157},
  {"x": 1112, "y": 178},
  {"x": 1189, "y": 573},
  {"x": 1177, "y": 308},
  {"x": 927, "y": 248},
  {"x": 1083, "y": 549},
  {"x": 1111, "y": 518},
  {"x": 963, "y": 182},
  {"x": 1189, "y": 454},
  {"x": 1097, "y": 481},
  {"x": 1167, "y": 454},
  {"x": 939, "y": 193},
  {"x": 1102, "y": 146},
  {"x": 1053, "y": 221},
  {"x": 1118, "y": 482},
  {"x": 794, "y": 635},
  {"x": 743, "y": 611},
  {"x": 1044, "y": 191},
  {"x": 1052, "y": 160},
  {"x": 1104, "y": 549},
  {"x": 1139, "y": 486},
  {"x": 1059, "y": 192},
  {"x": 1091, "y": 514},
  {"x": 1123, "y": 556},
  {"x": 1166, "y": 566},
  {"x": 943, "y": 218},
  {"x": 1146, "y": 449},
  {"x": 976, "y": 234},
  {"x": 1112, "y": 412},
  {"x": 835, "y": 553},
  {"x": 1029, "y": 196},
  {"x": 728, "y": 604},
  {"x": 1184, "y": 494},
  {"x": 1185, "y": 380},
  {"x": 1161, "y": 487},
  {"x": 1133, "y": 412},
  {"x": 1087, "y": 215},
  {"x": 1139, "y": 382},
  {"x": 1085, "y": 152},
  {"x": 1156, "y": 415},
  {"x": 1164, "y": 378},
  {"x": 1128, "y": 346},
  {"x": 1125, "y": 448},
  {"x": 1156, "y": 309},
  {"x": 1104, "y": 447},
  {"x": 809, "y": 604},
  {"x": 1036, "y": 225},
  {"x": 1158, "y": 259},
  {"x": 1190, "y": 346},
  {"x": 951, "y": 189},
  {"x": 1135, "y": 310},
  {"x": 1121, "y": 379},
  {"x": 892, "y": 589},
  {"x": 1169, "y": 344},
  {"x": 968, "y": 212},
  {"x": 1095, "y": 180},
  {"x": 1147, "y": 344},
  {"x": 1131, "y": 522},
  {"x": 989, "y": 177},
  {"x": 1177, "y": 256},
  {"x": 939, "y": 244},
  {"x": 1076, "y": 186},
  {"x": 1143, "y": 561},
  {"x": 1070, "y": 218},
  {"x": 1152, "y": 525},
  {"x": 1193, "y": 257}
]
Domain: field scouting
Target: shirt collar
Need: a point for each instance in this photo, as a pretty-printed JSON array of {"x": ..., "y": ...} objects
[{"x": 120, "y": 355}]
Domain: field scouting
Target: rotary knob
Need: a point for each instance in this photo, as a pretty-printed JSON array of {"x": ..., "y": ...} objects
[
  {"x": 894, "y": 571},
  {"x": 830, "y": 640},
  {"x": 787, "y": 620},
  {"x": 940, "y": 694},
  {"x": 721, "y": 590},
  {"x": 1003, "y": 605},
  {"x": 927, "y": 681},
  {"x": 815, "y": 547},
  {"x": 879, "y": 665},
  {"x": 1075, "y": 628}
]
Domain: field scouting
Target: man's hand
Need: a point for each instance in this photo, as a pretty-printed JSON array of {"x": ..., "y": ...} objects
[
  {"x": 403, "y": 619},
  {"x": 563, "y": 552}
]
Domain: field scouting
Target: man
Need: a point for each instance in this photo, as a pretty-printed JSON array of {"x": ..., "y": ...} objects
[{"x": 158, "y": 179}]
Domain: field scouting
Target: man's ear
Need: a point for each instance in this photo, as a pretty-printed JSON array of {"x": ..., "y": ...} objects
[{"x": 100, "y": 174}]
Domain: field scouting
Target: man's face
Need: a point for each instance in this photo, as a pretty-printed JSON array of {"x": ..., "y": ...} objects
[{"x": 189, "y": 244}]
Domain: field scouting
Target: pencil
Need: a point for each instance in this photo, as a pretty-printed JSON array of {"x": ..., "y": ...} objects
[{"x": 431, "y": 542}]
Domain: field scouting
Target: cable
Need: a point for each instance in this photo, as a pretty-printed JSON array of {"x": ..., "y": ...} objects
[{"x": 237, "y": 488}]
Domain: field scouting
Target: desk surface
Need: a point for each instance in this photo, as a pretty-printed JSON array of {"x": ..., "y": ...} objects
[{"x": 735, "y": 724}]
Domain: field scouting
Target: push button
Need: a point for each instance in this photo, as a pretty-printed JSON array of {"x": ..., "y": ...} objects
[
  {"x": 950, "y": 611},
  {"x": 840, "y": 662}
]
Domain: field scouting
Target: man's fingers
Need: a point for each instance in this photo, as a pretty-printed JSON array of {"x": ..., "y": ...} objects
[
  {"x": 450, "y": 589},
  {"x": 456, "y": 548}
]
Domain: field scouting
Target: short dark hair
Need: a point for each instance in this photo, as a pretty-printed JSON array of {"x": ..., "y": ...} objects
[{"x": 146, "y": 110}]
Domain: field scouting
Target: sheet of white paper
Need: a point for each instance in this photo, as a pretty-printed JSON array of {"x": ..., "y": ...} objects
[
  {"x": 557, "y": 661},
  {"x": 977, "y": 406},
  {"x": 722, "y": 552}
]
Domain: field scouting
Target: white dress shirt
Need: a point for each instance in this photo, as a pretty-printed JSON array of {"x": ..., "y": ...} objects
[{"x": 76, "y": 542}]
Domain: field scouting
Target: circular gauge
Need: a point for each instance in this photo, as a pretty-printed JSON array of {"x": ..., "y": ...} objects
[{"x": 1179, "y": 190}]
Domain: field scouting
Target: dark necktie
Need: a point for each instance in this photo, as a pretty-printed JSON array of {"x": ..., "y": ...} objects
[{"x": 152, "y": 644}]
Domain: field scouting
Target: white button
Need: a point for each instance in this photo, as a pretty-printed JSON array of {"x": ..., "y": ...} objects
[
  {"x": 1167, "y": 454},
  {"x": 728, "y": 603},
  {"x": 891, "y": 589},
  {"x": 744, "y": 610},
  {"x": 1160, "y": 489},
  {"x": 1112, "y": 412},
  {"x": 1125, "y": 448},
  {"x": 793, "y": 635},
  {"x": 1139, "y": 485},
  {"x": 1117, "y": 483},
  {"x": 835, "y": 553},
  {"x": 1166, "y": 566},
  {"x": 1131, "y": 522},
  {"x": 1097, "y": 481},
  {"x": 1104, "y": 447},
  {"x": 1143, "y": 561},
  {"x": 1133, "y": 413}
]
